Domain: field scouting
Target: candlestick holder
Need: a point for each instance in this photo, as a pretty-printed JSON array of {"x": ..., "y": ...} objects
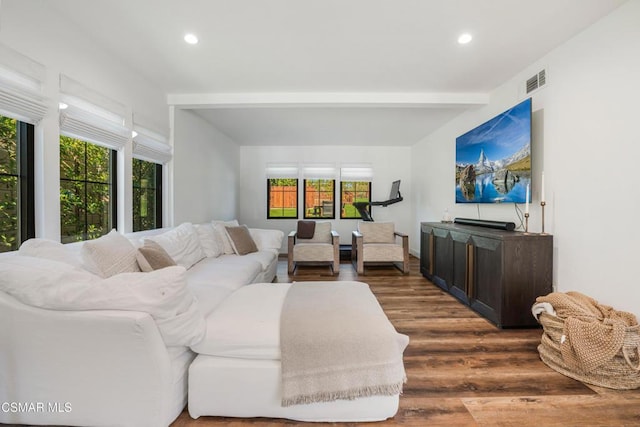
[
  {"x": 526, "y": 223},
  {"x": 542, "y": 205}
]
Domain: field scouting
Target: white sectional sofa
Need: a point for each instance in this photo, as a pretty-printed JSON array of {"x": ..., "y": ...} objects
[
  {"x": 88, "y": 339},
  {"x": 101, "y": 363}
]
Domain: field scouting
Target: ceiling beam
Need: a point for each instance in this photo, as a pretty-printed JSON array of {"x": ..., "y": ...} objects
[{"x": 328, "y": 99}]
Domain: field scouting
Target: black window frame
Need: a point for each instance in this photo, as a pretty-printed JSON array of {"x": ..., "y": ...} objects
[
  {"x": 333, "y": 195},
  {"x": 158, "y": 194},
  {"x": 25, "y": 143},
  {"x": 341, "y": 203},
  {"x": 269, "y": 216},
  {"x": 113, "y": 190}
]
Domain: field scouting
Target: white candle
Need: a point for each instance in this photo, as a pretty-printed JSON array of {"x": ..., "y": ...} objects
[
  {"x": 542, "y": 199},
  {"x": 526, "y": 200}
]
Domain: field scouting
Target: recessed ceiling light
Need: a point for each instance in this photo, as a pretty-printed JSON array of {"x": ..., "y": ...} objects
[
  {"x": 63, "y": 106},
  {"x": 191, "y": 38},
  {"x": 134, "y": 134},
  {"x": 465, "y": 38}
]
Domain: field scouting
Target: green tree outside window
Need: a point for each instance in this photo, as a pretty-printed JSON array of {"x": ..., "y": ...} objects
[
  {"x": 146, "y": 195},
  {"x": 86, "y": 187},
  {"x": 9, "y": 182}
]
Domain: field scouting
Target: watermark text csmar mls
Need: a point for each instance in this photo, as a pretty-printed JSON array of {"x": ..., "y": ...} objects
[{"x": 26, "y": 407}]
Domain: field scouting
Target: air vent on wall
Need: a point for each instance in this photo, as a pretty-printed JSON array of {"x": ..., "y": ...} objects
[{"x": 536, "y": 82}]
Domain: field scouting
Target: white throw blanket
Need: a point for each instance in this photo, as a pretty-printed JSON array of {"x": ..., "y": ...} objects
[{"x": 337, "y": 343}]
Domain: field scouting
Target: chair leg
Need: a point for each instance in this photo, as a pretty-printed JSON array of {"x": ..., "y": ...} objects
[
  {"x": 356, "y": 252},
  {"x": 360, "y": 264},
  {"x": 290, "y": 244},
  {"x": 291, "y": 265},
  {"x": 405, "y": 254},
  {"x": 335, "y": 266}
]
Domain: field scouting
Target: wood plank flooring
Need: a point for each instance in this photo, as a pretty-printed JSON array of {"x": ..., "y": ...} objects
[{"x": 462, "y": 370}]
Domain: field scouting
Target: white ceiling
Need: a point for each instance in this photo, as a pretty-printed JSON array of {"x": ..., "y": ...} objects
[{"x": 260, "y": 64}]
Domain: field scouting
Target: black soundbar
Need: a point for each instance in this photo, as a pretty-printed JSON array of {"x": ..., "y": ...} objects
[{"x": 500, "y": 225}]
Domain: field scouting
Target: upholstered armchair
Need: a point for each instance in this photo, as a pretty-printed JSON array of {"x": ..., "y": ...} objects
[
  {"x": 377, "y": 243},
  {"x": 322, "y": 247}
]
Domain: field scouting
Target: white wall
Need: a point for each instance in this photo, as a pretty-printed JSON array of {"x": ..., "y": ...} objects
[
  {"x": 38, "y": 31},
  {"x": 205, "y": 171},
  {"x": 389, "y": 164},
  {"x": 587, "y": 142}
]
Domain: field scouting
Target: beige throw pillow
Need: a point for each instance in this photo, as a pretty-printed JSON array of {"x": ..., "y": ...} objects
[
  {"x": 153, "y": 257},
  {"x": 241, "y": 240},
  {"x": 109, "y": 255}
]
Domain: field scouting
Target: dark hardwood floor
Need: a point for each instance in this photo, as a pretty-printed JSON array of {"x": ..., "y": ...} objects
[{"x": 462, "y": 370}]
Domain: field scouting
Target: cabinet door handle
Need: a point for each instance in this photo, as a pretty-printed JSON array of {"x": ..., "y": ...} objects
[
  {"x": 470, "y": 270},
  {"x": 431, "y": 253}
]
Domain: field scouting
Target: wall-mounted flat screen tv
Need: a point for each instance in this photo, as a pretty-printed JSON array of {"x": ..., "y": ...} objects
[{"x": 493, "y": 161}]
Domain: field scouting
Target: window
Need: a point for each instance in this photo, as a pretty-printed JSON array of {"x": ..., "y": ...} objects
[
  {"x": 17, "y": 216},
  {"x": 350, "y": 192},
  {"x": 87, "y": 190},
  {"x": 147, "y": 195},
  {"x": 150, "y": 152},
  {"x": 283, "y": 198},
  {"x": 319, "y": 198}
]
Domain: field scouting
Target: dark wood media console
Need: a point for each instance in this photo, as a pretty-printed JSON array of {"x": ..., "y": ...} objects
[{"x": 497, "y": 273}]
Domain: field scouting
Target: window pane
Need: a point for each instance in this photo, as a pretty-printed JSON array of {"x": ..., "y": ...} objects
[
  {"x": 72, "y": 158},
  {"x": 146, "y": 195},
  {"x": 363, "y": 187},
  {"x": 98, "y": 196},
  {"x": 8, "y": 146},
  {"x": 144, "y": 174},
  {"x": 85, "y": 190},
  {"x": 98, "y": 169},
  {"x": 9, "y": 237},
  {"x": 72, "y": 211},
  {"x": 319, "y": 198},
  {"x": 16, "y": 190},
  {"x": 144, "y": 213},
  {"x": 282, "y": 198},
  {"x": 146, "y": 171},
  {"x": 351, "y": 192}
]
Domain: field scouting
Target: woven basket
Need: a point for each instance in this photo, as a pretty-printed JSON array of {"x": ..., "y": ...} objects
[{"x": 621, "y": 373}]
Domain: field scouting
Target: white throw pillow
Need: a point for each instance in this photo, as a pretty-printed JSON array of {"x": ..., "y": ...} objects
[
  {"x": 267, "y": 238},
  {"x": 49, "y": 249},
  {"x": 208, "y": 241},
  {"x": 58, "y": 286},
  {"x": 221, "y": 235},
  {"x": 109, "y": 255},
  {"x": 182, "y": 244}
]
